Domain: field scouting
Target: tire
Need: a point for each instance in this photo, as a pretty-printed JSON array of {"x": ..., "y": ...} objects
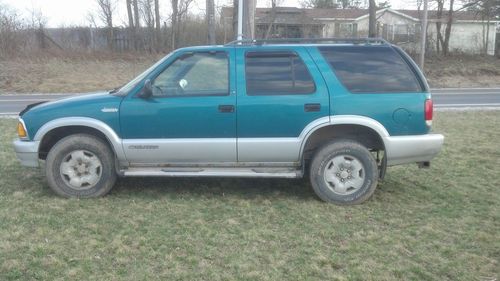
[
  {"x": 80, "y": 166},
  {"x": 343, "y": 172}
]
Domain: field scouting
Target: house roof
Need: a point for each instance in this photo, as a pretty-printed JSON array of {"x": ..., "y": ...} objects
[
  {"x": 293, "y": 14},
  {"x": 356, "y": 13},
  {"x": 432, "y": 14}
]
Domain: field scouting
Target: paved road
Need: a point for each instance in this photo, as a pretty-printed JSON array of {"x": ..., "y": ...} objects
[
  {"x": 12, "y": 104},
  {"x": 480, "y": 98}
]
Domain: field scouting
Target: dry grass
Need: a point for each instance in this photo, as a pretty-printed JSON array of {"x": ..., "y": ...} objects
[
  {"x": 463, "y": 71},
  {"x": 436, "y": 224},
  {"x": 68, "y": 73}
]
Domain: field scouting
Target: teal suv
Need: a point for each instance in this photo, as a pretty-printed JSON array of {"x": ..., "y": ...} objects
[{"x": 339, "y": 112}]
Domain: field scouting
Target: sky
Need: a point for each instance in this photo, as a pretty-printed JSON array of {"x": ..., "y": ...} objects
[{"x": 75, "y": 12}]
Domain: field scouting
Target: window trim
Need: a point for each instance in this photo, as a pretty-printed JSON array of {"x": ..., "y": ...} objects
[
  {"x": 285, "y": 53},
  {"x": 228, "y": 57},
  {"x": 410, "y": 68}
]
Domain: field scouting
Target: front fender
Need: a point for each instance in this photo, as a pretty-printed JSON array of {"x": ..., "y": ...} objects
[{"x": 110, "y": 134}]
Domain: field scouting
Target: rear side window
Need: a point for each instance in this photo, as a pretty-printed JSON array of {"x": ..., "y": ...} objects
[
  {"x": 277, "y": 73},
  {"x": 371, "y": 69}
]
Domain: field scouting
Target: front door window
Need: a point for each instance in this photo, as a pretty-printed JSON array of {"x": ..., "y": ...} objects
[{"x": 194, "y": 74}]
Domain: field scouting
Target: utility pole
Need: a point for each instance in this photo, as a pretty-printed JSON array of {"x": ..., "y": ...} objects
[
  {"x": 249, "y": 19},
  {"x": 423, "y": 37},
  {"x": 246, "y": 19},
  {"x": 211, "y": 21},
  {"x": 372, "y": 20},
  {"x": 239, "y": 35}
]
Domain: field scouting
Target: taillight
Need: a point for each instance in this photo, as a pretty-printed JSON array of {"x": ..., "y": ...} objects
[{"x": 428, "y": 112}]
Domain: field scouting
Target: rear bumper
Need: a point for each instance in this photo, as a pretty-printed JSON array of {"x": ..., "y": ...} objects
[
  {"x": 412, "y": 149},
  {"x": 27, "y": 152}
]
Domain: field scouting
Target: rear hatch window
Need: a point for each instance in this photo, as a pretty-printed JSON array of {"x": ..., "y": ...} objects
[{"x": 371, "y": 69}]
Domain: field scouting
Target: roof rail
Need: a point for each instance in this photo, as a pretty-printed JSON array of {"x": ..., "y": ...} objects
[{"x": 308, "y": 40}]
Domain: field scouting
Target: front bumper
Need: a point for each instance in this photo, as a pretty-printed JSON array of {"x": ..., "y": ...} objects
[
  {"x": 27, "y": 152},
  {"x": 412, "y": 149}
]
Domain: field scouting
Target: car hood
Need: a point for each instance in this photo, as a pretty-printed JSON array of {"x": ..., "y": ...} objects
[
  {"x": 54, "y": 104},
  {"x": 101, "y": 106}
]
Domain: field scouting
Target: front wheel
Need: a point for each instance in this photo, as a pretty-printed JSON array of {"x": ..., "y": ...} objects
[
  {"x": 344, "y": 172},
  {"x": 80, "y": 166}
]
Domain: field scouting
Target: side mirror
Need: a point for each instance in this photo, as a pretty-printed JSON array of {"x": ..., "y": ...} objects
[{"x": 147, "y": 90}]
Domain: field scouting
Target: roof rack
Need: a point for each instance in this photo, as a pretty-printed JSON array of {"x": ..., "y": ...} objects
[{"x": 380, "y": 41}]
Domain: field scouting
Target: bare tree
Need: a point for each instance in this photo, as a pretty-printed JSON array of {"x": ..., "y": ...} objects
[
  {"x": 211, "y": 21},
  {"x": 447, "y": 31},
  {"x": 37, "y": 25},
  {"x": 443, "y": 42},
  {"x": 345, "y": 4},
  {"x": 175, "y": 14},
  {"x": 151, "y": 17},
  {"x": 137, "y": 22},
  {"x": 147, "y": 12},
  {"x": 130, "y": 15},
  {"x": 423, "y": 37},
  {"x": 439, "y": 16},
  {"x": 106, "y": 10},
  {"x": 157, "y": 25},
  {"x": 179, "y": 10},
  {"x": 372, "y": 21},
  {"x": 10, "y": 27},
  {"x": 488, "y": 10},
  {"x": 131, "y": 28},
  {"x": 319, "y": 4}
]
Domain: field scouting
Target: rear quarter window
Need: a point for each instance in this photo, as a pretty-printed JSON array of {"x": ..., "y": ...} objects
[{"x": 371, "y": 69}]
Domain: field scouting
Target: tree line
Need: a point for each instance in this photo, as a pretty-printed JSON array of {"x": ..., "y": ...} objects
[
  {"x": 148, "y": 14},
  {"x": 149, "y": 26}
]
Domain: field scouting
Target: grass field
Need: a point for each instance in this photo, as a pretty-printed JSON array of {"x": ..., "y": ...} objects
[
  {"x": 436, "y": 224},
  {"x": 77, "y": 73}
]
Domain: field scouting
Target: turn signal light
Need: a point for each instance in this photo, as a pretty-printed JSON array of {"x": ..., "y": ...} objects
[{"x": 21, "y": 132}]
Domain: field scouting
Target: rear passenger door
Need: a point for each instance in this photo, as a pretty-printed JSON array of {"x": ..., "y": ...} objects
[{"x": 280, "y": 91}]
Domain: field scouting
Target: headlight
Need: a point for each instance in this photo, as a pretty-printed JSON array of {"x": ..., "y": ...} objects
[{"x": 21, "y": 130}]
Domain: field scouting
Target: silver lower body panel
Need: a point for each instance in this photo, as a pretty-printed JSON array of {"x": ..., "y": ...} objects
[
  {"x": 27, "y": 152},
  {"x": 248, "y": 172},
  {"x": 412, "y": 149}
]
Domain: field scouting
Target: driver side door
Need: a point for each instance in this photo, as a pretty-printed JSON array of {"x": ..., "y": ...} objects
[{"x": 190, "y": 118}]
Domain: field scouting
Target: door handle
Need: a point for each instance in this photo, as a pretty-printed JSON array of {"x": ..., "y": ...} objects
[
  {"x": 310, "y": 107},
  {"x": 226, "y": 108}
]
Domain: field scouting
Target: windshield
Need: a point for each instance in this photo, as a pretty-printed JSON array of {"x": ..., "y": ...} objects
[{"x": 127, "y": 87}]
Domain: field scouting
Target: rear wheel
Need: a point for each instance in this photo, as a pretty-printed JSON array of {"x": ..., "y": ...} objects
[
  {"x": 344, "y": 172},
  {"x": 81, "y": 166}
]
